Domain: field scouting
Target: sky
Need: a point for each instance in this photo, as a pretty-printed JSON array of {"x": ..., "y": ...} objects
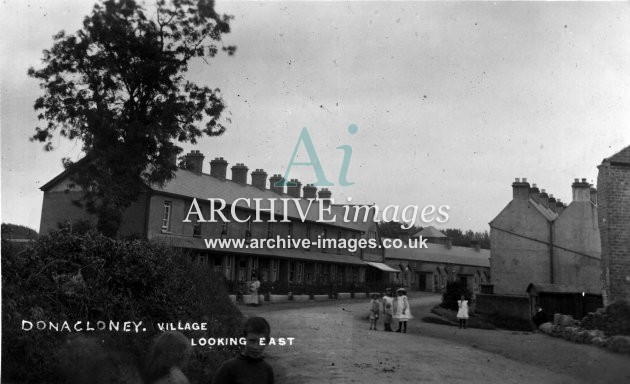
[{"x": 452, "y": 100}]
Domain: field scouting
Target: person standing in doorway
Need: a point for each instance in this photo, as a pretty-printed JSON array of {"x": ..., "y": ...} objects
[{"x": 254, "y": 286}]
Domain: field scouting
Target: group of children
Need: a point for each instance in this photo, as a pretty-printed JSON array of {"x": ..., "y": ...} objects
[{"x": 391, "y": 308}]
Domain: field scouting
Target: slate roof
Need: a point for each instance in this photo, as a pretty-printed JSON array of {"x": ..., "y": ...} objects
[
  {"x": 438, "y": 253},
  {"x": 561, "y": 288},
  {"x": 546, "y": 212},
  {"x": 621, "y": 157},
  {"x": 203, "y": 186},
  {"x": 429, "y": 232}
]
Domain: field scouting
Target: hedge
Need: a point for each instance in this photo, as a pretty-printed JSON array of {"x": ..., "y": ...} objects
[{"x": 90, "y": 277}]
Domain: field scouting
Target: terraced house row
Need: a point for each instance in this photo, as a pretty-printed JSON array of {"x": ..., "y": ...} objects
[{"x": 160, "y": 214}]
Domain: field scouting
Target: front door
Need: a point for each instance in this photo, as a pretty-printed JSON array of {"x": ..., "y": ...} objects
[{"x": 422, "y": 281}]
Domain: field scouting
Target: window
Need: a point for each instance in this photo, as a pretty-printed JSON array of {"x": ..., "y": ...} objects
[
  {"x": 248, "y": 231},
  {"x": 197, "y": 229},
  {"x": 300, "y": 272},
  {"x": 269, "y": 229},
  {"x": 338, "y": 239},
  {"x": 166, "y": 216},
  {"x": 308, "y": 235},
  {"x": 372, "y": 235},
  {"x": 224, "y": 229},
  {"x": 292, "y": 271},
  {"x": 290, "y": 229}
]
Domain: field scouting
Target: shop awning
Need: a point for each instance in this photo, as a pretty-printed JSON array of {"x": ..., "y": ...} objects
[{"x": 381, "y": 266}]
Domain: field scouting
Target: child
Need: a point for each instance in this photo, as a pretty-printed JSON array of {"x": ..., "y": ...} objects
[
  {"x": 401, "y": 310},
  {"x": 388, "y": 303},
  {"x": 375, "y": 308},
  {"x": 462, "y": 313},
  {"x": 248, "y": 366},
  {"x": 168, "y": 354}
]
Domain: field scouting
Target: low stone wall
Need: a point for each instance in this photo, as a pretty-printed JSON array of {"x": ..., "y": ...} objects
[
  {"x": 344, "y": 295},
  {"x": 278, "y": 298},
  {"x": 250, "y": 299},
  {"x": 301, "y": 297},
  {"x": 320, "y": 297},
  {"x": 566, "y": 327}
]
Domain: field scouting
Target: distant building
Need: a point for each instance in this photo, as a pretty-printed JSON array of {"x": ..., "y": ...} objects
[
  {"x": 159, "y": 215},
  {"x": 546, "y": 252},
  {"x": 613, "y": 202},
  {"x": 430, "y": 269}
]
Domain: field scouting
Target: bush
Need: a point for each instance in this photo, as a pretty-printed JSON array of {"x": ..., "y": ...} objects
[
  {"x": 454, "y": 291},
  {"x": 71, "y": 277}
]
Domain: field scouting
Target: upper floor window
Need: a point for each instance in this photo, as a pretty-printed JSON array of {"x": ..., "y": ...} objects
[
  {"x": 166, "y": 216},
  {"x": 290, "y": 229},
  {"x": 269, "y": 229},
  {"x": 372, "y": 235},
  {"x": 197, "y": 229}
]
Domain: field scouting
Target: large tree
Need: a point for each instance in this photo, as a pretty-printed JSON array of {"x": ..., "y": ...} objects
[{"x": 118, "y": 85}]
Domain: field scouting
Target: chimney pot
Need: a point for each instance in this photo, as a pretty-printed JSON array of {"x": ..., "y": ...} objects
[
  {"x": 194, "y": 161},
  {"x": 293, "y": 188},
  {"x": 325, "y": 196},
  {"x": 276, "y": 179},
  {"x": 520, "y": 190},
  {"x": 581, "y": 190},
  {"x": 218, "y": 167},
  {"x": 309, "y": 191},
  {"x": 239, "y": 173},
  {"x": 259, "y": 179}
]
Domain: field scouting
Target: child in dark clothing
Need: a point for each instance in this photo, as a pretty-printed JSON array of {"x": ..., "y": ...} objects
[{"x": 248, "y": 367}]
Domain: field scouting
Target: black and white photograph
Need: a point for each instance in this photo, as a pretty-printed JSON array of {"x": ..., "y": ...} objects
[{"x": 280, "y": 192}]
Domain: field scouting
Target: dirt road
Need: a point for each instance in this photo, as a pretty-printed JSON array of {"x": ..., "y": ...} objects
[{"x": 334, "y": 345}]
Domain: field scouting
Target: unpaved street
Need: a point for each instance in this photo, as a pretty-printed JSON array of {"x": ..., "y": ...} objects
[{"x": 334, "y": 345}]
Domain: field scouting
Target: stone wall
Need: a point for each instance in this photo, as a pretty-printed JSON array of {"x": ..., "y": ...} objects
[{"x": 613, "y": 183}]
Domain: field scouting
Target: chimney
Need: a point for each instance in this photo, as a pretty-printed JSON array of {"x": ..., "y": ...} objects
[
  {"x": 520, "y": 189},
  {"x": 309, "y": 191},
  {"x": 593, "y": 195},
  {"x": 194, "y": 161},
  {"x": 533, "y": 192},
  {"x": 476, "y": 245},
  {"x": 551, "y": 203},
  {"x": 276, "y": 179},
  {"x": 239, "y": 173},
  {"x": 581, "y": 190},
  {"x": 559, "y": 206},
  {"x": 294, "y": 187},
  {"x": 259, "y": 179},
  {"x": 324, "y": 195},
  {"x": 543, "y": 198},
  {"x": 218, "y": 167}
]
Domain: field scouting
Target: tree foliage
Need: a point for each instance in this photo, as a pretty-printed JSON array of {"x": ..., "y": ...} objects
[
  {"x": 90, "y": 277},
  {"x": 16, "y": 231},
  {"x": 465, "y": 239},
  {"x": 393, "y": 230},
  {"x": 118, "y": 86}
]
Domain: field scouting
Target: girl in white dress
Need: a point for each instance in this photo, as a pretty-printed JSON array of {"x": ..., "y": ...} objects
[
  {"x": 402, "y": 312},
  {"x": 462, "y": 312}
]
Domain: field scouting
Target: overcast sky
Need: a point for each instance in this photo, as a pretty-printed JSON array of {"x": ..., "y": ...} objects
[{"x": 452, "y": 100}]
